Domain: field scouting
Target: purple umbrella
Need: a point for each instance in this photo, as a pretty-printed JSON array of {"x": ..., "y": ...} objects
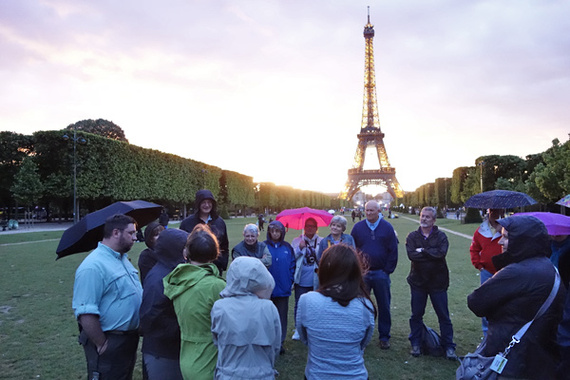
[{"x": 556, "y": 224}]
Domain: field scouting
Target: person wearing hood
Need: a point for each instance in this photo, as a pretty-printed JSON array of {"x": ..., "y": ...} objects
[
  {"x": 193, "y": 288},
  {"x": 512, "y": 297},
  {"x": 159, "y": 327},
  {"x": 251, "y": 247},
  {"x": 147, "y": 258},
  {"x": 283, "y": 271},
  {"x": 207, "y": 213},
  {"x": 485, "y": 245},
  {"x": 245, "y": 324}
]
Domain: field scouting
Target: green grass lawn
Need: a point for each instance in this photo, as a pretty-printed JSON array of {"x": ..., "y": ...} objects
[{"x": 38, "y": 333}]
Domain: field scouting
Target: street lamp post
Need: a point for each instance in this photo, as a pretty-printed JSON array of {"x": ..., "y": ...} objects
[
  {"x": 481, "y": 167},
  {"x": 81, "y": 141}
]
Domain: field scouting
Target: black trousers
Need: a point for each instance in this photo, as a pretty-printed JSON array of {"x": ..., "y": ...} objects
[{"x": 118, "y": 360}]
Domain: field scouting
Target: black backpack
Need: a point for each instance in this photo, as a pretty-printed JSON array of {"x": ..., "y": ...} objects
[{"x": 431, "y": 342}]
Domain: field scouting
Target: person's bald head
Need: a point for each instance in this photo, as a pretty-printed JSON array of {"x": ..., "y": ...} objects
[{"x": 372, "y": 210}]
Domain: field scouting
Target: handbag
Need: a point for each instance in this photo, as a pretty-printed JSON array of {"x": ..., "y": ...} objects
[{"x": 475, "y": 366}]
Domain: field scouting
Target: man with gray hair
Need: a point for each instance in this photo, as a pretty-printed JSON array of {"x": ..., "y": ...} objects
[
  {"x": 429, "y": 276},
  {"x": 376, "y": 238}
]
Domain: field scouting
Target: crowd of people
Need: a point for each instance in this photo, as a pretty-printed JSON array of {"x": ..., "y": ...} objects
[{"x": 197, "y": 325}]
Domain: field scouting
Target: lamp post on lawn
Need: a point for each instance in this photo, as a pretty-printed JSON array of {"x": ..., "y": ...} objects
[
  {"x": 481, "y": 166},
  {"x": 81, "y": 141}
]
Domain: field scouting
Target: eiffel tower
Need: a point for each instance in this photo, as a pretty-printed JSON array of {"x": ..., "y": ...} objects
[{"x": 370, "y": 135}]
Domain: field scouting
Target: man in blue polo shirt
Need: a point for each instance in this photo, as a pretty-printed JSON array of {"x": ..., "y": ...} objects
[
  {"x": 376, "y": 238},
  {"x": 107, "y": 295}
]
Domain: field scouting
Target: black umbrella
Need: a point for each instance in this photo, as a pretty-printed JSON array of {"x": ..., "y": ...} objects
[
  {"x": 499, "y": 199},
  {"x": 85, "y": 235}
]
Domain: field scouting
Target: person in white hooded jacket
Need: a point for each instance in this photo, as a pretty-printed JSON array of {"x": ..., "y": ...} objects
[{"x": 245, "y": 323}]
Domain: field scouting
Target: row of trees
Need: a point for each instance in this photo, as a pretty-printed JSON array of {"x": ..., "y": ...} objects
[
  {"x": 38, "y": 170},
  {"x": 544, "y": 176}
]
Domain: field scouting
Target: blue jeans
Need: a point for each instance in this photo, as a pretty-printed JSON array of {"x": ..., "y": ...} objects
[
  {"x": 439, "y": 303},
  {"x": 485, "y": 275},
  {"x": 378, "y": 282}
]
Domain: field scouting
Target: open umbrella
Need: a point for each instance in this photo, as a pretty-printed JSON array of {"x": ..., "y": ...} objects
[
  {"x": 85, "y": 235},
  {"x": 564, "y": 201},
  {"x": 499, "y": 199},
  {"x": 556, "y": 224},
  {"x": 295, "y": 218}
]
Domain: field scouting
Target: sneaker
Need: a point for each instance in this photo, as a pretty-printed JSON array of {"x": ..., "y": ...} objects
[
  {"x": 450, "y": 354},
  {"x": 384, "y": 344},
  {"x": 295, "y": 335},
  {"x": 415, "y": 351}
]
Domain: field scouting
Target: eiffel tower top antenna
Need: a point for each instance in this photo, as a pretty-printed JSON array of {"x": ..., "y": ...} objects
[{"x": 368, "y": 13}]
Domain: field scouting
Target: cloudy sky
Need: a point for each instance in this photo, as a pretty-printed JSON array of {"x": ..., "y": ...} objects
[{"x": 274, "y": 89}]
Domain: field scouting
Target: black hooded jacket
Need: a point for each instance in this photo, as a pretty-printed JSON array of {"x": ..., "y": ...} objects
[
  {"x": 216, "y": 224},
  {"x": 514, "y": 294},
  {"x": 147, "y": 258},
  {"x": 158, "y": 323}
]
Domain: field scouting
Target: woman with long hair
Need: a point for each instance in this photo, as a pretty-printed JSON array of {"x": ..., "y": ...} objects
[{"x": 336, "y": 322}]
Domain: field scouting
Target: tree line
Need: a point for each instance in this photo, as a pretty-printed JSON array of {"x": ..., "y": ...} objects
[
  {"x": 544, "y": 176},
  {"x": 37, "y": 170}
]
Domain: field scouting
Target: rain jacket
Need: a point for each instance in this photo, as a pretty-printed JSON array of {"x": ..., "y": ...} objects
[
  {"x": 258, "y": 250},
  {"x": 512, "y": 297},
  {"x": 147, "y": 258},
  {"x": 282, "y": 262},
  {"x": 484, "y": 246},
  {"x": 193, "y": 289},
  {"x": 158, "y": 320},
  {"x": 245, "y": 327},
  {"x": 428, "y": 269},
  {"x": 216, "y": 224},
  {"x": 303, "y": 255}
]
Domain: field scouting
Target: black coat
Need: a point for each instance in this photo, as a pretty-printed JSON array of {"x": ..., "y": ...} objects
[
  {"x": 158, "y": 323},
  {"x": 428, "y": 269},
  {"x": 216, "y": 224},
  {"x": 512, "y": 297}
]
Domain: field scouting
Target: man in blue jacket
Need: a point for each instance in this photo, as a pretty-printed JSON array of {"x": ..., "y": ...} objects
[{"x": 376, "y": 238}]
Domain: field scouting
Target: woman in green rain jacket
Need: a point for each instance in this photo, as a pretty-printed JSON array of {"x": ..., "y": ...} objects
[{"x": 193, "y": 288}]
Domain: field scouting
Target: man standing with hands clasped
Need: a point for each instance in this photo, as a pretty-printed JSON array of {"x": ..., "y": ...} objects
[
  {"x": 107, "y": 295},
  {"x": 429, "y": 276},
  {"x": 376, "y": 238}
]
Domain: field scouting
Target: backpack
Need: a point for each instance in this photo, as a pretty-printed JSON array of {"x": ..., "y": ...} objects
[{"x": 431, "y": 342}]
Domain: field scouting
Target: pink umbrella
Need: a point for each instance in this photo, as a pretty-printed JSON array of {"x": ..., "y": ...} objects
[
  {"x": 295, "y": 218},
  {"x": 556, "y": 224}
]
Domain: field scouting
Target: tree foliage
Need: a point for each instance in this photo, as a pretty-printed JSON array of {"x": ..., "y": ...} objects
[
  {"x": 27, "y": 187},
  {"x": 100, "y": 127},
  {"x": 553, "y": 176}
]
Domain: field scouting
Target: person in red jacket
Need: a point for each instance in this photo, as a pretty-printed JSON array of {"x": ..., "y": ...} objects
[{"x": 484, "y": 246}]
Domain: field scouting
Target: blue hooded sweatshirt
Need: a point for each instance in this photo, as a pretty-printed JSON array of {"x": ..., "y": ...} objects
[{"x": 283, "y": 261}]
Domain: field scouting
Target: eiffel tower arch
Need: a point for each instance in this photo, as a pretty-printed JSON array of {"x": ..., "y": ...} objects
[{"x": 370, "y": 135}]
